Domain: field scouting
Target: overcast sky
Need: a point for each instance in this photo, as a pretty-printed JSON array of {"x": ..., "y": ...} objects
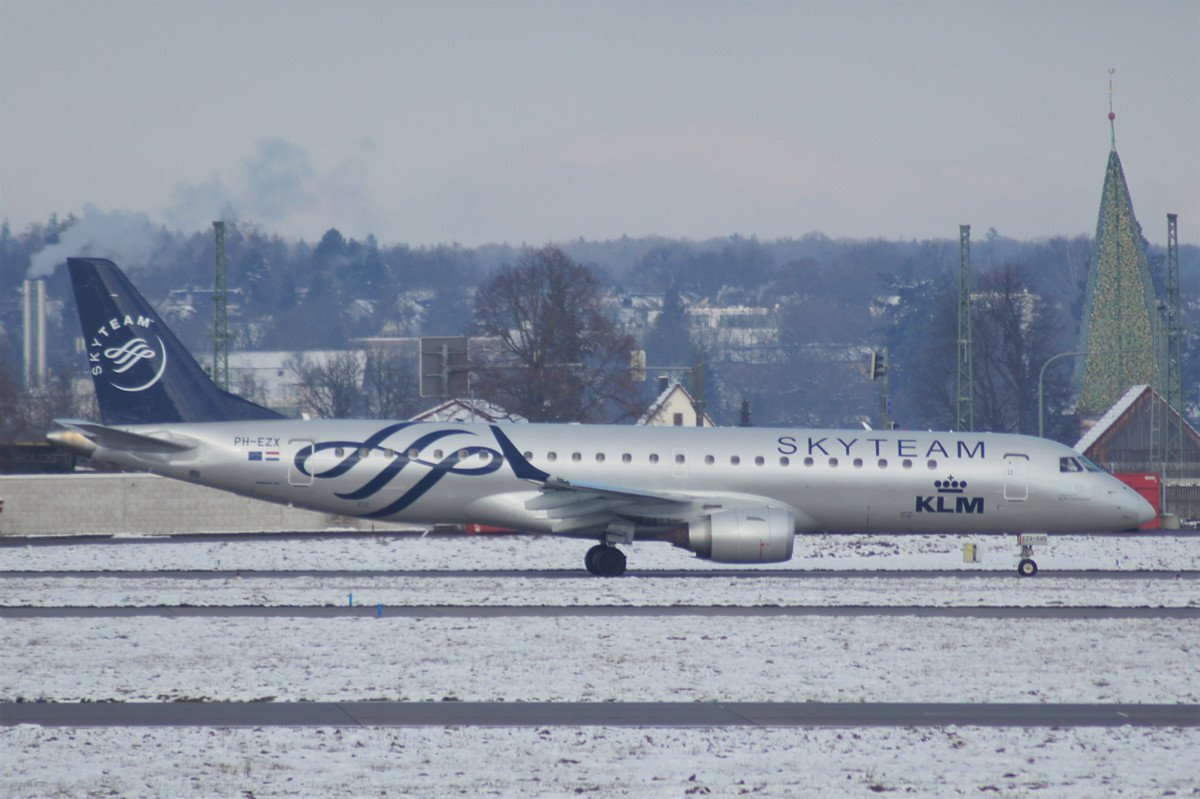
[{"x": 536, "y": 121}]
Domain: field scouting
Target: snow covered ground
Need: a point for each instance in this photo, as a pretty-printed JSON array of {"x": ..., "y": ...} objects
[
  {"x": 599, "y": 762},
  {"x": 657, "y": 658},
  {"x": 851, "y": 659},
  {"x": 1153, "y": 552},
  {"x": 1006, "y": 590}
]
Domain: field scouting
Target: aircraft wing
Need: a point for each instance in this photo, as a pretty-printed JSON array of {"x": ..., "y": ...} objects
[{"x": 580, "y": 505}]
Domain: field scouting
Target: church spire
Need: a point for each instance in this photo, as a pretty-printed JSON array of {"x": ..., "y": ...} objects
[{"x": 1112, "y": 117}]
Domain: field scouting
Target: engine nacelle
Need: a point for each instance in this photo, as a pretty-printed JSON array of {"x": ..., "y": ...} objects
[{"x": 743, "y": 535}]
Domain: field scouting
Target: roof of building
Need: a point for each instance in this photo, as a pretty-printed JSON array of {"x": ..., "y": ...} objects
[
  {"x": 467, "y": 410},
  {"x": 672, "y": 392},
  {"x": 1110, "y": 418}
]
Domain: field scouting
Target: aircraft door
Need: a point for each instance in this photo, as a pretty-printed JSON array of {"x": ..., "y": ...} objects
[
  {"x": 295, "y": 476},
  {"x": 1016, "y": 477}
]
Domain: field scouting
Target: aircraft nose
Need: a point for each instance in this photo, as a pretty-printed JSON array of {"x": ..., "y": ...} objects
[{"x": 1143, "y": 511}]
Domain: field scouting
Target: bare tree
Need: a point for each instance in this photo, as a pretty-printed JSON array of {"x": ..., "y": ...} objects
[
  {"x": 1014, "y": 332},
  {"x": 329, "y": 388},
  {"x": 559, "y": 356},
  {"x": 390, "y": 385}
]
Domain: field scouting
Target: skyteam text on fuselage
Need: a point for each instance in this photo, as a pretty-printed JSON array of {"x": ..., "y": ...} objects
[{"x": 734, "y": 495}]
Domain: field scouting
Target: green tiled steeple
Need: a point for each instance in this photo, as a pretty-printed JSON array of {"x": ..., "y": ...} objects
[{"x": 1117, "y": 327}]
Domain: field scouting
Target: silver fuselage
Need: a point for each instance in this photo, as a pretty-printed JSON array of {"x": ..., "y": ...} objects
[{"x": 830, "y": 480}]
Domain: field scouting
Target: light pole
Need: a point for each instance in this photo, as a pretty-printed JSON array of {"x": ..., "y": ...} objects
[
  {"x": 1041, "y": 377},
  {"x": 1053, "y": 358}
]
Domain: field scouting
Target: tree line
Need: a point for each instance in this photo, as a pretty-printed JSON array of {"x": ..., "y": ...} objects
[{"x": 559, "y": 337}]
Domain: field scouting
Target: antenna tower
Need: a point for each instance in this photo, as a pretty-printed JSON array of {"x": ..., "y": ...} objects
[
  {"x": 1174, "y": 448},
  {"x": 220, "y": 369},
  {"x": 966, "y": 372}
]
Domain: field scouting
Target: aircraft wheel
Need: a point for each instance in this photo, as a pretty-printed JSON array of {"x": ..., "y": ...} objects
[
  {"x": 607, "y": 561},
  {"x": 589, "y": 560},
  {"x": 1026, "y": 568}
]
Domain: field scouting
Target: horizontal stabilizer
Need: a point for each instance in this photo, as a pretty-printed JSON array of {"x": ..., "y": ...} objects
[{"x": 114, "y": 439}]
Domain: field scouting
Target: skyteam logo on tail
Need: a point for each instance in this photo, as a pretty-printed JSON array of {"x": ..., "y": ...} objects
[{"x": 126, "y": 353}]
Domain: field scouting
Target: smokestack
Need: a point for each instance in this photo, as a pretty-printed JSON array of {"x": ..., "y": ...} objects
[
  {"x": 27, "y": 331},
  {"x": 33, "y": 329},
  {"x": 41, "y": 332}
]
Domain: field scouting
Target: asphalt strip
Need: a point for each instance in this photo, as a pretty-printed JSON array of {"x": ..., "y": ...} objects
[{"x": 607, "y": 714}]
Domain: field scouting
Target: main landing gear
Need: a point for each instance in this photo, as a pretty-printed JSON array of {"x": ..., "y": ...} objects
[{"x": 604, "y": 560}]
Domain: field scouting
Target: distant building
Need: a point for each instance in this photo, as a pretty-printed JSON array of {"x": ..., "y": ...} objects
[
  {"x": 1130, "y": 439},
  {"x": 674, "y": 406},
  {"x": 265, "y": 376}
]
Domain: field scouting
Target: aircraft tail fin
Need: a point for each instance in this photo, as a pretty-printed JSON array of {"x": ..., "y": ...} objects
[{"x": 142, "y": 373}]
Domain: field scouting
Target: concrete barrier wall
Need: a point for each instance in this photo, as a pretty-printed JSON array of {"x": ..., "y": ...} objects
[{"x": 85, "y": 504}]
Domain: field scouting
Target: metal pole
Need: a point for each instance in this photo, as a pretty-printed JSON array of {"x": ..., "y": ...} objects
[{"x": 1052, "y": 358}]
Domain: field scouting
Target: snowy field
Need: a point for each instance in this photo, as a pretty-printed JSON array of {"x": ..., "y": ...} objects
[
  {"x": 849, "y": 659},
  {"x": 560, "y": 581},
  {"x": 657, "y": 658},
  {"x": 1149, "y": 552},
  {"x": 599, "y": 762}
]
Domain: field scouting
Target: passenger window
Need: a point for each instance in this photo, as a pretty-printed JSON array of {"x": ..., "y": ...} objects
[
  {"x": 528, "y": 455},
  {"x": 575, "y": 456},
  {"x": 808, "y": 461},
  {"x": 784, "y": 461},
  {"x": 599, "y": 457},
  {"x": 883, "y": 463},
  {"x": 906, "y": 463},
  {"x": 759, "y": 460},
  {"x": 931, "y": 464},
  {"x": 363, "y": 452},
  {"x": 413, "y": 454},
  {"x": 710, "y": 460},
  {"x": 735, "y": 460},
  {"x": 653, "y": 458},
  {"x": 833, "y": 461},
  {"x": 626, "y": 458},
  {"x": 551, "y": 456},
  {"x": 339, "y": 452},
  {"x": 858, "y": 463},
  {"x": 680, "y": 459}
]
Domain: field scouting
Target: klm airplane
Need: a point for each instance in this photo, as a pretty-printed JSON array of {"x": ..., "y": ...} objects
[{"x": 732, "y": 495}]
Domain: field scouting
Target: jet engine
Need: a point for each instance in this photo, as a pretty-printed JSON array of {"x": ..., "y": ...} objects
[{"x": 743, "y": 535}]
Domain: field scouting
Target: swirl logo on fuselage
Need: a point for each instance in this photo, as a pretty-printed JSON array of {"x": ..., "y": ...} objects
[{"x": 397, "y": 458}]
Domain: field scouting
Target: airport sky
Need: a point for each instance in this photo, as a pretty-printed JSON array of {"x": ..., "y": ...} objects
[{"x": 528, "y": 122}]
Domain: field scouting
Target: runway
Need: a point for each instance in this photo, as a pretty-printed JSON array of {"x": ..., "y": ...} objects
[
  {"x": 593, "y": 611},
  {"x": 588, "y": 714},
  {"x": 580, "y": 574}
]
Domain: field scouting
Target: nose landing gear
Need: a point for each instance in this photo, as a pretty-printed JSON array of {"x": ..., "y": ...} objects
[
  {"x": 604, "y": 560},
  {"x": 1027, "y": 567}
]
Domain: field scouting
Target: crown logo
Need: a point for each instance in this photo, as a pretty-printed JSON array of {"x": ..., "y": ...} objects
[{"x": 950, "y": 485}]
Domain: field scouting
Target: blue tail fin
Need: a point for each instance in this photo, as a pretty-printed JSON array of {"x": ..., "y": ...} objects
[{"x": 143, "y": 375}]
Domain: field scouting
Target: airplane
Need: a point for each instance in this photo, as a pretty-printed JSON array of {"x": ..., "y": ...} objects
[{"x": 731, "y": 495}]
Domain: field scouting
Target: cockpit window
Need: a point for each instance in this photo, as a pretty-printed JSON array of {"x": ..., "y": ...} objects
[
  {"x": 1090, "y": 466},
  {"x": 1069, "y": 465}
]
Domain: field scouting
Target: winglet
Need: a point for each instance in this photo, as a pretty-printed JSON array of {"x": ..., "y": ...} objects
[{"x": 521, "y": 467}]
